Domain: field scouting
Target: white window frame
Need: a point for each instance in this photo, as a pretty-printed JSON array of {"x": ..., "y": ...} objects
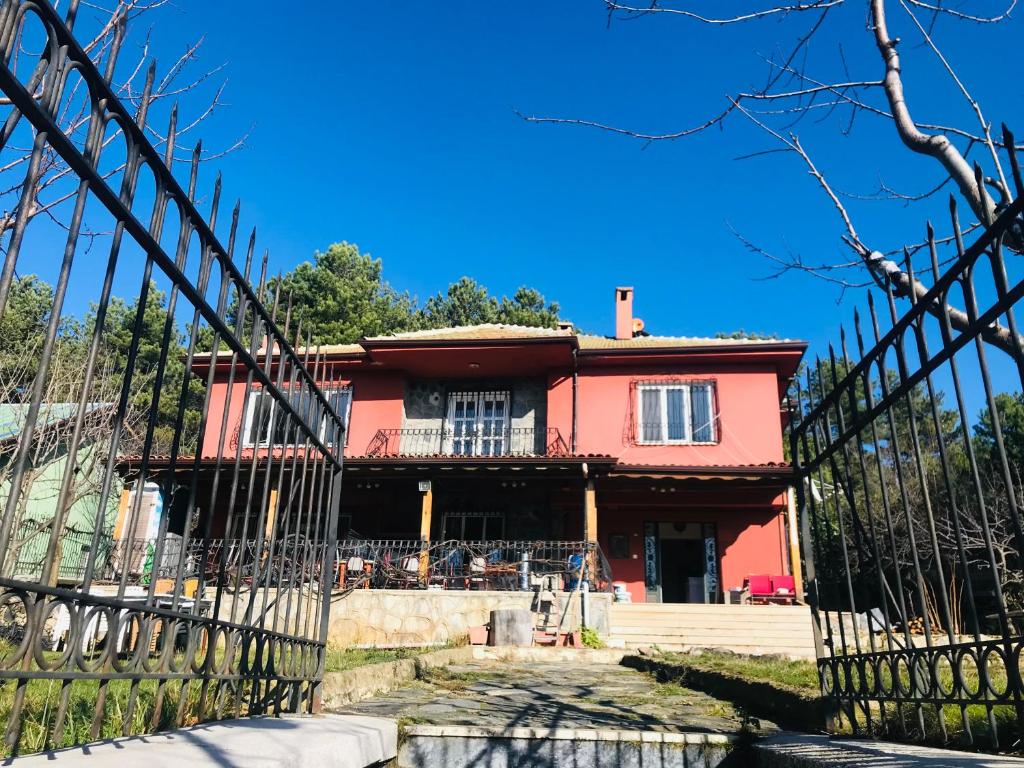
[
  {"x": 263, "y": 441},
  {"x": 477, "y": 440},
  {"x": 663, "y": 388}
]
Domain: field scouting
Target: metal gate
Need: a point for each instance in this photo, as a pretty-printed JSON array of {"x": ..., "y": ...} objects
[
  {"x": 214, "y": 599},
  {"x": 908, "y": 452}
]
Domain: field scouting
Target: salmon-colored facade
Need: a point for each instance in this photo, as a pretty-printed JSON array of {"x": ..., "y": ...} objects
[{"x": 667, "y": 451}]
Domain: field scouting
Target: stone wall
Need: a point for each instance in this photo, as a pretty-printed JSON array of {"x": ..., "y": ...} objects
[{"x": 396, "y": 617}]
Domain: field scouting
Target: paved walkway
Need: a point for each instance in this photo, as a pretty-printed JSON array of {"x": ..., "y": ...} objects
[{"x": 553, "y": 695}]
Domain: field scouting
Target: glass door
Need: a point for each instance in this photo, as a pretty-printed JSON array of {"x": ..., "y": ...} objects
[
  {"x": 492, "y": 432},
  {"x": 477, "y": 424},
  {"x": 462, "y": 418}
]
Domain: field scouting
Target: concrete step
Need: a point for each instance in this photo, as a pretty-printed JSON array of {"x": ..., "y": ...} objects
[{"x": 752, "y": 629}]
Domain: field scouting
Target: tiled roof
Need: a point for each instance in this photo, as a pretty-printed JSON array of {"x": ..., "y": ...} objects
[
  {"x": 333, "y": 349},
  {"x": 483, "y": 332},
  {"x": 504, "y": 332},
  {"x": 672, "y": 342}
]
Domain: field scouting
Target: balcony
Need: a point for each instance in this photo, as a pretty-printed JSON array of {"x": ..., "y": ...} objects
[{"x": 510, "y": 441}]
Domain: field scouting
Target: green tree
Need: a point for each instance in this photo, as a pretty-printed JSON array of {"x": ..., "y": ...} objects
[
  {"x": 341, "y": 296},
  {"x": 466, "y": 302},
  {"x": 1010, "y": 409},
  {"x": 156, "y": 340},
  {"x": 528, "y": 307}
]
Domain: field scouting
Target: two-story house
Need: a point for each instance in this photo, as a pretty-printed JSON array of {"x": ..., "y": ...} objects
[{"x": 667, "y": 452}]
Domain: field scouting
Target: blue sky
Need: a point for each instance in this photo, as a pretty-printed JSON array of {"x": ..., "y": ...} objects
[{"x": 393, "y": 125}]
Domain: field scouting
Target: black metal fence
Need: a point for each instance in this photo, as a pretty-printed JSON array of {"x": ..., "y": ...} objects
[
  {"x": 909, "y": 454},
  {"x": 134, "y": 376},
  {"x": 502, "y": 565}
]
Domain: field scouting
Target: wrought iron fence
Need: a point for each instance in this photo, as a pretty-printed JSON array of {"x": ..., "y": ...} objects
[
  {"x": 189, "y": 646},
  {"x": 508, "y": 441},
  {"x": 501, "y": 565},
  {"x": 911, "y": 501}
]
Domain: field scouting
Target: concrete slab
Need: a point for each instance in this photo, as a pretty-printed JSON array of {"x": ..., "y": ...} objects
[
  {"x": 432, "y": 746},
  {"x": 321, "y": 741},
  {"x": 792, "y": 750}
]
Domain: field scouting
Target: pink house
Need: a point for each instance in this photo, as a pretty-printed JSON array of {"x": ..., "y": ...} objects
[{"x": 665, "y": 452}]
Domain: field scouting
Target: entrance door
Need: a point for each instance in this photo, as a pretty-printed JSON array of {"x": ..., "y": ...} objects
[
  {"x": 687, "y": 562},
  {"x": 682, "y": 570},
  {"x": 477, "y": 424}
]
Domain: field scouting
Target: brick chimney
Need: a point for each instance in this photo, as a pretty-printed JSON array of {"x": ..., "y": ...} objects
[{"x": 623, "y": 313}]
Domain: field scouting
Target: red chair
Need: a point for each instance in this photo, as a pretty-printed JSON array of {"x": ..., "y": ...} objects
[
  {"x": 783, "y": 589},
  {"x": 760, "y": 587}
]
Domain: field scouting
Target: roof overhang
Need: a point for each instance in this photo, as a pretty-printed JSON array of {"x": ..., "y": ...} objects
[
  {"x": 773, "y": 473},
  {"x": 472, "y": 358}
]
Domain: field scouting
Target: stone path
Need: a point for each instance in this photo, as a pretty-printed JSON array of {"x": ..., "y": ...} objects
[{"x": 553, "y": 695}]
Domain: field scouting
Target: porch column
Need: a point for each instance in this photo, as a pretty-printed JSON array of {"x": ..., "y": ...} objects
[
  {"x": 426, "y": 511},
  {"x": 589, "y": 512},
  {"x": 794, "y": 543}
]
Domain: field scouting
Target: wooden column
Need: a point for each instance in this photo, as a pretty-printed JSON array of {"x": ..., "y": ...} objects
[
  {"x": 794, "y": 543},
  {"x": 590, "y": 512},
  {"x": 268, "y": 528},
  {"x": 122, "y": 513},
  {"x": 426, "y": 512}
]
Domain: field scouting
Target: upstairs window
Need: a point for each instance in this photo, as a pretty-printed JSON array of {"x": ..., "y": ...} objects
[
  {"x": 675, "y": 413},
  {"x": 268, "y": 425}
]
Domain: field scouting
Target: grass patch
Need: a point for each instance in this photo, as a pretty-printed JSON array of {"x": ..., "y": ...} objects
[
  {"x": 942, "y": 725},
  {"x": 339, "y": 660},
  {"x": 444, "y": 677},
  {"x": 795, "y": 675},
  {"x": 123, "y": 712}
]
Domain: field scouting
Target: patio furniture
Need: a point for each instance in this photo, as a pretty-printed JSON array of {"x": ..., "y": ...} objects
[
  {"x": 766, "y": 589},
  {"x": 760, "y": 587},
  {"x": 784, "y": 589},
  {"x": 408, "y": 574},
  {"x": 355, "y": 572},
  {"x": 477, "y": 567}
]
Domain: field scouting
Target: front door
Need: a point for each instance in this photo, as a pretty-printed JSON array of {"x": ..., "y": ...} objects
[
  {"x": 477, "y": 424},
  {"x": 682, "y": 562}
]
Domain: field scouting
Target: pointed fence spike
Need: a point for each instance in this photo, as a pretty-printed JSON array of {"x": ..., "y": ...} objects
[
  {"x": 1011, "y": 150},
  {"x": 172, "y": 129},
  {"x": 147, "y": 94}
]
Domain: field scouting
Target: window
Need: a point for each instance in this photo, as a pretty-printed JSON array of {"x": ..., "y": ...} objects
[
  {"x": 675, "y": 413},
  {"x": 478, "y": 424},
  {"x": 266, "y": 424}
]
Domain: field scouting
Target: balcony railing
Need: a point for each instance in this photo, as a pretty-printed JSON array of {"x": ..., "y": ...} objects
[{"x": 511, "y": 441}]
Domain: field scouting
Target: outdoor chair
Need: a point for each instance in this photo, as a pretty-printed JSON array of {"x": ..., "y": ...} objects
[
  {"x": 477, "y": 569},
  {"x": 408, "y": 575},
  {"x": 784, "y": 589},
  {"x": 447, "y": 569},
  {"x": 356, "y": 572},
  {"x": 760, "y": 587}
]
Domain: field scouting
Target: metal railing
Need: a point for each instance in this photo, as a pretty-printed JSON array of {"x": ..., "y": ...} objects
[
  {"x": 132, "y": 659},
  {"x": 910, "y": 491},
  {"x": 509, "y": 441},
  {"x": 501, "y": 565},
  {"x": 32, "y": 539}
]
